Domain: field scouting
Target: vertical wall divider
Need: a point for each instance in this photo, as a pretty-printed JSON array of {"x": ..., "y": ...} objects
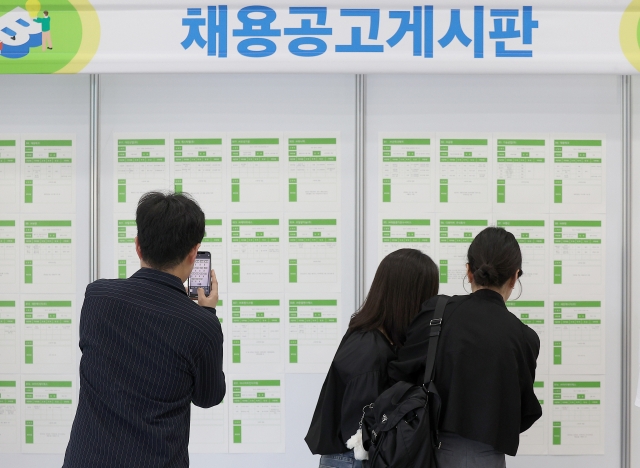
[
  {"x": 626, "y": 272},
  {"x": 94, "y": 140},
  {"x": 359, "y": 186}
]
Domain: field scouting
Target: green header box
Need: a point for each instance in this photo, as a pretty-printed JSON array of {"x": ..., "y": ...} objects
[
  {"x": 314, "y": 302},
  {"x": 577, "y": 142},
  {"x": 463, "y": 222},
  {"x": 48, "y": 223},
  {"x": 49, "y": 383},
  {"x": 576, "y": 384},
  {"x": 312, "y": 141},
  {"x": 255, "y": 222},
  {"x": 47, "y": 303},
  {"x": 406, "y": 141},
  {"x": 577, "y": 304},
  {"x": 256, "y": 383},
  {"x": 525, "y": 303},
  {"x": 464, "y": 142},
  {"x": 7, "y": 223},
  {"x": 523, "y": 223},
  {"x": 312, "y": 222},
  {"x": 521, "y": 142},
  {"x": 213, "y": 222},
  {"x": 198, "y": 141},
  {"x": 406, "y": 222},
  {"x": 48, "y": 143},
  {"x": 256, "y": 302},
  {"x": 144, "y": 142},
  {"x": 578, "y": 223},
  {"x": 126, "y": 222},
  {"x": 7, "y": 142},
  {"x": 255, "y": 141}
]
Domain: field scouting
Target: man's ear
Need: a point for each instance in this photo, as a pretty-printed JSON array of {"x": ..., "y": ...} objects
[
  {"x": 138, "y": 250},
  {"x": 193, "y": 253}
]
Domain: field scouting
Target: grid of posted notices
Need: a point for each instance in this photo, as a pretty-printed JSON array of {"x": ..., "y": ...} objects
[
  {"x": 437, "y": 191},
  {"x": 273, "y": 227},
  {"x": 38, "y": 338}
]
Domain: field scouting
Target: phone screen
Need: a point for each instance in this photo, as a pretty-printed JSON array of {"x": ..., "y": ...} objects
[{"x": 201, "y": 274}]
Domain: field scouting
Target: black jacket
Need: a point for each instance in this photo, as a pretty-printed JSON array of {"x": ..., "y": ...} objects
[
  {"x": 148, "y": 352},
  {"x": 485, "y": 368},
  {"x": 358, "y": 374}
]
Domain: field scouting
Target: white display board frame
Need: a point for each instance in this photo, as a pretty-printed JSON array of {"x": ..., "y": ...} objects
[
  {"x": 512, "y": 104},
  {"x": 414, "y": 103},
  {"x": 55, "y": 105},
  {"x": 238, "y": 103}
]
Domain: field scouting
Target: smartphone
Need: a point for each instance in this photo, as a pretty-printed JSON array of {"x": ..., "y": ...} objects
[{"x": 200, "y": 276}]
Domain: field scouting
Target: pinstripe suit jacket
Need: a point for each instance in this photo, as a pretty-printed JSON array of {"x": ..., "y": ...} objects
[{"x": 148, "y": 352}]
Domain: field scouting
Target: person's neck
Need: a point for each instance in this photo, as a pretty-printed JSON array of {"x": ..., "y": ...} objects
[
  {"x": 503, "y": 291},
  {"x": 179, "y": 270}
]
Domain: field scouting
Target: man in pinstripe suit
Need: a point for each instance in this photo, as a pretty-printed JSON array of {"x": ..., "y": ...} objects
[{"x": 148, "y": 351}]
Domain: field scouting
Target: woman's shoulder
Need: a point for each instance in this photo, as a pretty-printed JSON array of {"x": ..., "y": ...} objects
[{"x": 362, "y": 352}]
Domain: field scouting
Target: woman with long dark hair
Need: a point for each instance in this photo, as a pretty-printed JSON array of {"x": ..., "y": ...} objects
[
  {"x": 405, "y": 279},
  {"x": 485, "y": 363}
]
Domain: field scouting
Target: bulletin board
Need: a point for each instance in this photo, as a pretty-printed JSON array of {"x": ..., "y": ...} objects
[
  {"x": 491, "y": 138},
  {"x": 282, "y": 151},
  {"x": 288, "y": 165},
  {"x": 44, "y": 208}
]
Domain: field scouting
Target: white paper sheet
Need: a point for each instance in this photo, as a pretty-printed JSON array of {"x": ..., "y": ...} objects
[
  {"x": 10, "y": 333},
  {"x": 407, "y": 172},
  {"x": 10, "y": 429},
  {"x": 313, "y": 331},
  {"x": 141, "y": 165},
  {"x": 256, "y": 333},
  {"x": 210, "y": 428},
  {"x": 578, "y": 253},
  {"x": 464, "y": 171},
  {"x": 406, "y": 233},
  {"x": 313, "y": 171},
  {"x": 256, "y": 253},
  {"x": 256, "y": 172},
  {"x": 48, "y": 334},
  {"x": 198, "y": 167},
  {"x": 48, "y": 173},
  {"x": 9, "y": 252},
  {"x": 578, "y": 335},
  {"x": 10, "y": 175},
  {"x": 48, "y": 408},
  {"x": 579, "y": 173},
  {"x": 256, "y": 414},
  {"x": 313, "y": 252},
  {"x": 521, "y": 173},
  {"x": 577, "y": 415},
  {"x": 48, "y": 253}
]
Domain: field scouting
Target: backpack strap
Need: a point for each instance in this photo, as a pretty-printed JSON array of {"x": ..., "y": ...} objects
[{"x": 435, "y": 326}]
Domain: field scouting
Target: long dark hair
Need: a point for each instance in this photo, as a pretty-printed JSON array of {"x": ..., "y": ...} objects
[
  {"x": 404, "y": 280},
  {"x": 494, "y": 256}
]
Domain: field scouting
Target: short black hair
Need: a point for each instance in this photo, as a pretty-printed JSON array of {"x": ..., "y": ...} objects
[
  {"x": 169, "y": 226},
  {"x": 494, "y": 256}
]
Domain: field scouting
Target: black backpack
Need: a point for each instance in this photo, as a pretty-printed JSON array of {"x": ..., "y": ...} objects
[{"x": 401, "y": 431}]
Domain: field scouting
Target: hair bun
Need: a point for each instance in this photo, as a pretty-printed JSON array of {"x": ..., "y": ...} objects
[{"x": 486, "y": 275}]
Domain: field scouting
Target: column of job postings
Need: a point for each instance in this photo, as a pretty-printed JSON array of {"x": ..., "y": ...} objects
[
  {"x": 273, "y": 227},
  {"x": 437, "y": 191},
  {"x": 38, "y": 319}
]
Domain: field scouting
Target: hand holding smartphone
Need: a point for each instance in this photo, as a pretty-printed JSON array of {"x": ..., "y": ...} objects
[{"x": 200, "y": 276}]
